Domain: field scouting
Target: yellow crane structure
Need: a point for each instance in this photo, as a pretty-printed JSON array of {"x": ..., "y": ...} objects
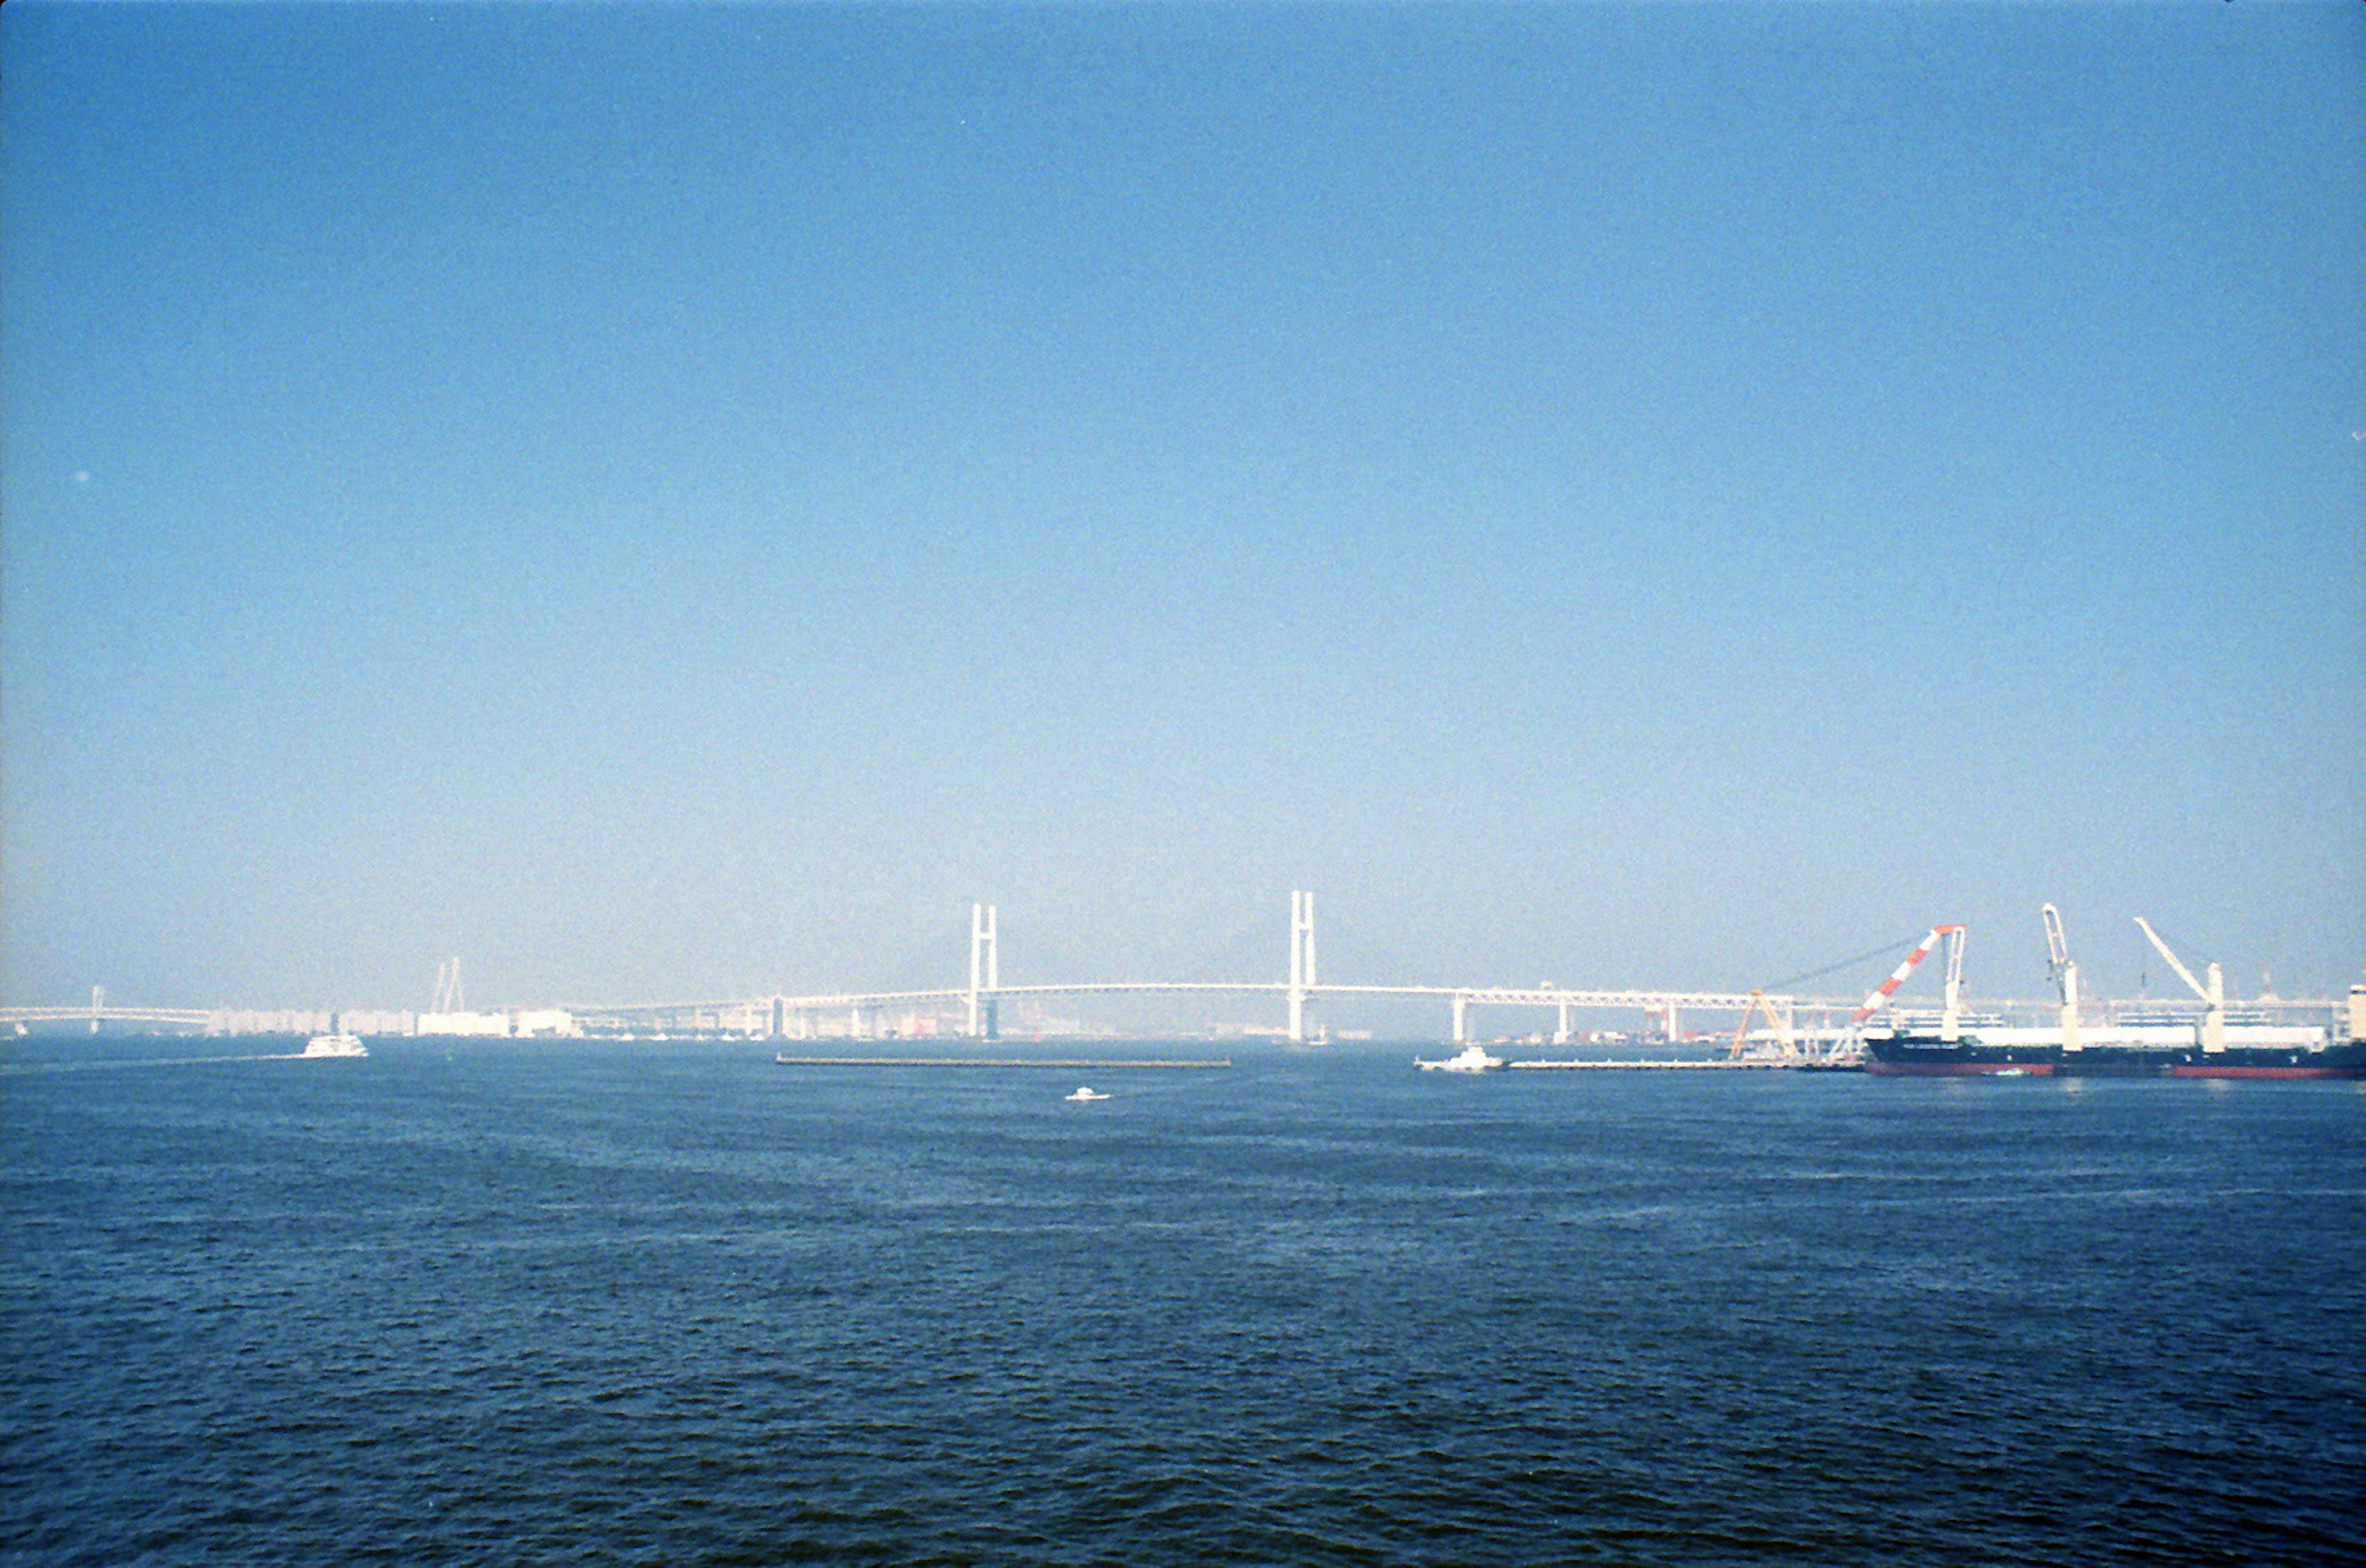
[{"x": 1786, "y": 1043}]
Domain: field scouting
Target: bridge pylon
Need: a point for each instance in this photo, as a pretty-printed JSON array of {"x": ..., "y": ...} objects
[
  {"x": 1301, "y": 961},
  {"x": 984, "y": 966}
]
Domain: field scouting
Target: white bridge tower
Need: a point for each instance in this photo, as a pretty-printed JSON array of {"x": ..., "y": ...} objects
[
  {"x": 1301, "y": 961},
  {"x": 985, "y": 968}
]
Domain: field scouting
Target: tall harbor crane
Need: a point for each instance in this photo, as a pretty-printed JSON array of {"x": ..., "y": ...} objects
[
  {"x": 2213, "y": 995},
  {"x": 2063, "y": 972},
  {"x": 1950, "y": 1022}
]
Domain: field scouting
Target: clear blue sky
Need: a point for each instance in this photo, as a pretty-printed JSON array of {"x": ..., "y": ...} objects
[{"x": 670, "y": 501}]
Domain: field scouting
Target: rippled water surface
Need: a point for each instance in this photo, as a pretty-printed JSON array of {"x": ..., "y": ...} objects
[{"x": 530, "y": 1303}]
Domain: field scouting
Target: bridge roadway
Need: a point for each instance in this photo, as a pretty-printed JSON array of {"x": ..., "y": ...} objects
[
  {"x": 775, "y": 1009},
  {"x": 187, "y": 1016},
  {"x": 770, "y": 1014},
  {"x": 1513, "y": 996},
  {"x": 760, "y": 1013}
]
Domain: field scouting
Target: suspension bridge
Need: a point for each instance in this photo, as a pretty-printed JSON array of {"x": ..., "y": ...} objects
[
  {"x": 974, "y": 1008},
  {"x": 979, "y": 1002}
]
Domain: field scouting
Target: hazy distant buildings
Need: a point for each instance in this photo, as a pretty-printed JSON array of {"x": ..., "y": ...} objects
[
  {"x": 271, "y": 1020},
  {"x": 464, "y": 1023},
  {"x": 525, "y": 1023}
]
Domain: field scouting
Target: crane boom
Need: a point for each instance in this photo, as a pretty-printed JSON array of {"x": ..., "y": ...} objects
[
  {"x": 2213, "y": 994},
  {"x": 2182, "y": 971},
  {"x": 1882, "y": 993},
  {"x": 2065, "y": 972},
  {"x": 1951, "y": 1022},
  {"x": 2057, "y": 946}
]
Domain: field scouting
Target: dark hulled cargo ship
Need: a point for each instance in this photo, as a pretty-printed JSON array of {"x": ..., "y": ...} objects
[
  {"x": 2176, "y": 1051},
  {"x": 1928, "y": 1056},
  {"x": 2213, "y": 1046}
]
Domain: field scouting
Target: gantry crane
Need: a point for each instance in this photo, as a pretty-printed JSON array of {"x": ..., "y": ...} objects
[{"x": 1786, "y": 1041}]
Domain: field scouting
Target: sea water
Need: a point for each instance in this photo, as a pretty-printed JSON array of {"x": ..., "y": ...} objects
[{"x": 587, "y": 1303}]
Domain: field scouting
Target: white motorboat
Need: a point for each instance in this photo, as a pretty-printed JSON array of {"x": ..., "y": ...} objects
[
  {"x": 1470, "y": 1059},
  {"x": 335, "y": 1046},
  {"x": 1085, "y": 1096}
]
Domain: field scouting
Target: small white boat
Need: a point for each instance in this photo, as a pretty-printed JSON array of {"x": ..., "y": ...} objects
[
  {"x": 2010, "y": 1073},
  {"x": 1470, "y": 1059},
  {"x": 1085, "y": 1096},
  {"x": 335, "y": 1046}
]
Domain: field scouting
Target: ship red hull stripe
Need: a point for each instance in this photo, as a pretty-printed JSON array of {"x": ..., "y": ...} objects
[{"x": 1956, "y": 1070}]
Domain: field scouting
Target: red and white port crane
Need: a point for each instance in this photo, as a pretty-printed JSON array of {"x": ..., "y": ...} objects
[{"x": 1950, "y": 1023}]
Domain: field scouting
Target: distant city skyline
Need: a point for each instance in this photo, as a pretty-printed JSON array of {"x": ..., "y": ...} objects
[{"x": 677, "y": 501}]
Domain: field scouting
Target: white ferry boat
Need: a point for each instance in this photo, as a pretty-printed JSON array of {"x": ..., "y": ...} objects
[
  {"x": 1470, "y": 1059},
  {"x": 335, "y": 1046},
  {"x": 1085, "y": 1096}
]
